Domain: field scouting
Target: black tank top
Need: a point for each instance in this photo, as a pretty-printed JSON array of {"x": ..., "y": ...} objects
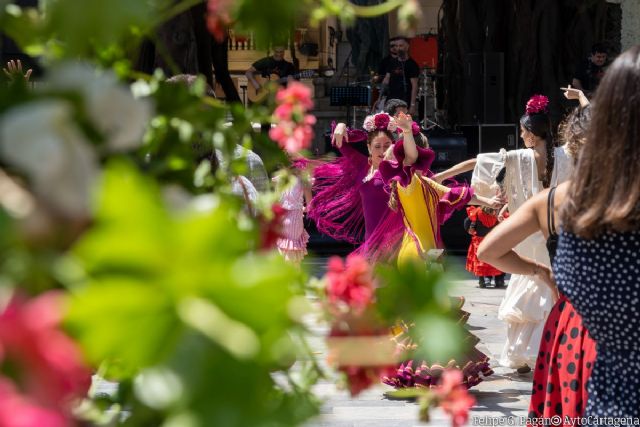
[{"x": 552, "y": 240}]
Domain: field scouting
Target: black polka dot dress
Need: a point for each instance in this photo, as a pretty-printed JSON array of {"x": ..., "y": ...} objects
[{"x": 601, "y": 278}]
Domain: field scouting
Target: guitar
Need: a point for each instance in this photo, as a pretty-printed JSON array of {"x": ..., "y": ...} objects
[{"x": 258, "y": 95}]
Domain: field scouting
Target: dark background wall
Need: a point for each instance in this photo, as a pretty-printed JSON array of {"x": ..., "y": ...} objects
[{"x": 542, "y": 42}]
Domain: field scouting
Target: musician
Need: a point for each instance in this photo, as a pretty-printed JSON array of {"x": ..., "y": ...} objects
[
  {"x": 383, "y": 67},
  {"x": 274, "y": 64},
  {"x": 402, "y": 76}
]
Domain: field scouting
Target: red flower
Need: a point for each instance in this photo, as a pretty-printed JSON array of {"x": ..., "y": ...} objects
[
  {"x": 18, "y": 411},
  {"x": 50, "y": 364},
  {"x": 219, "y": 17},
  {"x": 360, "y": 378},
  {"x": 537, "y": 104},
  {"x": 381, "y": 121},
  {"x": 454, "y": 397},
  {"x": 271, "y": 229},
  {"x": 351, "y": 284}
]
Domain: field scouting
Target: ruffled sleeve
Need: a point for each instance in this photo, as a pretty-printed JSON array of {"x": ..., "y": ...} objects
[
  {"x": 451, "y": 199},
  {"x": 488, "y": 166},
  {"x": 395, "y": 170}
]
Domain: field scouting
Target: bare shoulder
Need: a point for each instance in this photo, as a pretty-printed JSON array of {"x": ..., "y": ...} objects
[
  {"x": 539, "y": 202},
  {"x": 561, "y": 192}
]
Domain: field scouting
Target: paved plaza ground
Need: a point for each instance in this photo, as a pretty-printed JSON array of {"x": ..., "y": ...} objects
[{"x": 504, "y": 394}]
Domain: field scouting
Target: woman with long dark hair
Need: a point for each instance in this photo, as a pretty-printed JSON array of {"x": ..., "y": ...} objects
[
  {"x": 529, "y": 297},
  {"x": 559, "y": 379},
  {"x": 597, "y": 264}
]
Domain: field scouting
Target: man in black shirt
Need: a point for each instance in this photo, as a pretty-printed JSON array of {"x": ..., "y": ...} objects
[
  {"x": 402, "y": 76},
  {"x": 274, "y": 64},
  {"x": 590, "y": 72},
  {"x": 383, "y": 67}
]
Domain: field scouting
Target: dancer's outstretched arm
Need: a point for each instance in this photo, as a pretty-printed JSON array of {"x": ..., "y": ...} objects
[{"x": 462, "y": 167}]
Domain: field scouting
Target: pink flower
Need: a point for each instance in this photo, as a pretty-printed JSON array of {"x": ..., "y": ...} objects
[
  {"x": 294, "y": 127},
  {"x": 219, "y": 17},
  {"x": 454, "y": 397},
  {"x": 295, "y": 93},
  {"x": 537, "y": 104},
  {"x": 283, "y": 112},
  {"x": 18, "y": 411},
  {"x": 415, "y": 128},
  {"x": 351, "y": 284},
  {"x": 52, "y": 370}
]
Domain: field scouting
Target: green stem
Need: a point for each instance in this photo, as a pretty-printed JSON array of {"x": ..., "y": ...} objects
[
  {"x": 377, "y": 10},
  {"x": 174, "y": 10}
]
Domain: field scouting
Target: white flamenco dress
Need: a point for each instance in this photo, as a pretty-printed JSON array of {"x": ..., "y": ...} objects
[{"x": 527, "y": 301}]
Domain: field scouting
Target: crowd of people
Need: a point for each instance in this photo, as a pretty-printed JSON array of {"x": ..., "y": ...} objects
[{"x": 561, "y": 215}]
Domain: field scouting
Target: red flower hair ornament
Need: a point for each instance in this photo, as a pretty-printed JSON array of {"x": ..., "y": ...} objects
[
  {"x": 537, "y": 104},
  {"x": 380, "y": 121}
]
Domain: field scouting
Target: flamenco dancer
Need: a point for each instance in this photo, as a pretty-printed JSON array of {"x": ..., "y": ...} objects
[
  {"x": 351, "y": 194},
  {"x": 567, "y": 352},
  {"x": 529, "y": 297},
  {"x": 350, "y": 201},
  {"x": 480, "y": 221},
  {"x": 425, "y": 205}
]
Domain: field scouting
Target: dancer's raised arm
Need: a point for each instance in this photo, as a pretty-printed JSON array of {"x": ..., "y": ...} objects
[{"x": 404, "y": 122}]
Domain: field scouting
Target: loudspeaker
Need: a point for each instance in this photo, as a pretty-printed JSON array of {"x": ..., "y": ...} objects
[
  {"x": 490, "y": 138},
  {"x": 472, "y": 101},
  {"x": 483, "y": 88},
  {"x": 493, "y": 87},
  {"x": 495, "y": 137},
  {"x": 450, "y": 150}
]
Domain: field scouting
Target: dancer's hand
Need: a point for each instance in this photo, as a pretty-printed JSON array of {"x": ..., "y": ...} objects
[
  {"x": 404, "y": 122},
  {"x": 14, "y": 70},
  {"x": 496, "y": 202},
  {"x": 503, "y": 212},
  {"x": 340, "y": 134},
  {"x": 545, "y": 274},
  {"x": 573, "y": 93}
]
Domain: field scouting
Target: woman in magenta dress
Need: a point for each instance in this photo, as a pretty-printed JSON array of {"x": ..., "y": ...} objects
[{"x": 350, "y": 199}]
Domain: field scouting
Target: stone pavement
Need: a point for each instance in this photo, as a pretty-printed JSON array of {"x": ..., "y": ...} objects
[{"x": 504, "y": 394}]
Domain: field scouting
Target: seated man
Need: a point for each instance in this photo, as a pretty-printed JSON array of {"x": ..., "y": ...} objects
[{"x": 274, "y": 64}]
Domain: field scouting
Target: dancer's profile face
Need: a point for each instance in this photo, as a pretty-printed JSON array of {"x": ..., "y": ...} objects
[
  {"x": 377, "y": 148},
  {"x": 527, "y": 137}
]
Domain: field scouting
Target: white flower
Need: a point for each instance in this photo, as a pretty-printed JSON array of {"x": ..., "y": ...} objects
[
  {"x": 114, "y": 110},
  {"x": 120, "y": 117},
  {"x": 369, "y": 124},
  {"x": 41, "y": 140}
]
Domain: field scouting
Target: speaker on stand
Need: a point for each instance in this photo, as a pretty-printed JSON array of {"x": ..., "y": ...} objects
[
  {"x": 493, "y": 87},
  {"x": 472, "y": 112}
]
